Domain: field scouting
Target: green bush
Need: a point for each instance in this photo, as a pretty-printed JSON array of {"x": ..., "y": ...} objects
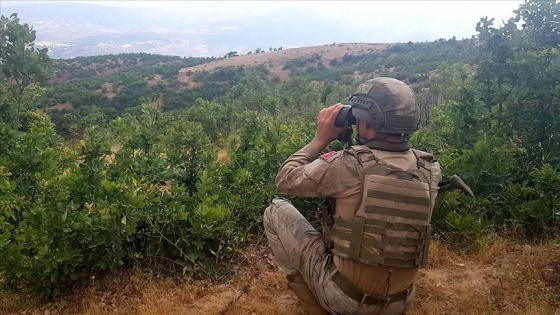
[
  {"x": 535, "y": 204},
  {"x": 68, "y": 220},
  {"x": 148, "y": 189},
  {"x": 461, "y": 220}
]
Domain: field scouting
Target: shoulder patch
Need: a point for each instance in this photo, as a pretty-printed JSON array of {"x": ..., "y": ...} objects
[{"x": 329, "y": 157}]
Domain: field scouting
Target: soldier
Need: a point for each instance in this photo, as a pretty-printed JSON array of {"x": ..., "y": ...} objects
[{"x": 376, "y": 230}]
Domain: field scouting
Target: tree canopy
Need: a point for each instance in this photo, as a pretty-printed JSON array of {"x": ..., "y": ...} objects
[{"x": 21, "y": 64}]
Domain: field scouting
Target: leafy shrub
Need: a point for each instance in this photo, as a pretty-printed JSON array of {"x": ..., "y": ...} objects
[
  {"x": 68, "y": 220},
  {"x": 149, "y": 188},
  {"x": 301, "y": 62},
  {"x": 461, "y": 219},
  {"x": 535, "y": 204}
]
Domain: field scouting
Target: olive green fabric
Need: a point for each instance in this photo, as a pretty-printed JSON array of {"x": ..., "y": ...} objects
[{"x": 391, "y": 226}]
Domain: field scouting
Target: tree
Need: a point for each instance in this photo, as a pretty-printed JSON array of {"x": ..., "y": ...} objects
[
  {"x": 518, "y": 75},
  {"x": 496, "y": 48},
  {"x": 541, "y": 23},
  {"x": 231, "y": 54},
  {"x": 21, "y": 63}
]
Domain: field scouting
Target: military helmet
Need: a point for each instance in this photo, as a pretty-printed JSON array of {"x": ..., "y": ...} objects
[{"x": 387, "y": 104}]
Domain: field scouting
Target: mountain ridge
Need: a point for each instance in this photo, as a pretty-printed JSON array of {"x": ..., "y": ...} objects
[{"x": 77, "y": 29}]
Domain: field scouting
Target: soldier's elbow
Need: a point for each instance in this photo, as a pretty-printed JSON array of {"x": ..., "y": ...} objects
[{"x": 280, "y": 185}]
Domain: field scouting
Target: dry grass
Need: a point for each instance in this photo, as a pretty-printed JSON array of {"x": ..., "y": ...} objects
[
  {"x": 501, "y": 278},
  {"x": 223, "y": 157},
  {"x": 157, "y": 79}
]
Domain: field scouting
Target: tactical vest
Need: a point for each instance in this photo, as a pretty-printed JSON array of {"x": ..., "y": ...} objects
[{"x": 391, "y": 225}]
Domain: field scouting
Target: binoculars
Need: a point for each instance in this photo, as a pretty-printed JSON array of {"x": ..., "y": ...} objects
[{"x": 345, "y": 120}]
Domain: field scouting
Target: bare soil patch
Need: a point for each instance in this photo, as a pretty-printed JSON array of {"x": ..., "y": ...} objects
[
  {"x": 503, "y": 278},
  {"x": 223, "y": 156},
  {"x": 157, "y": 79},
  {"x": 158, "y": 102},
  {"x": 109, "y": 90},
  {"x": 61, "y": 106},
  {"x": 60, "y": 77}
]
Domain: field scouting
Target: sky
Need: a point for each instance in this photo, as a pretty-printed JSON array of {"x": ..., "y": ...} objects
[{"x": 441, "y": 19}]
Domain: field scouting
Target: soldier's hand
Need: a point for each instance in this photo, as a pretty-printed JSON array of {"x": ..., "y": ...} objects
[{"x": 326, "y": 131}]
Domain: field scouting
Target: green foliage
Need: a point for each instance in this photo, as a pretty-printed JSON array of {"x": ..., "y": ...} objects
[
  {"x": 256, "y": 152},
  {"x": 497, "y": 128},
  {"x": 21, "y": 62},
  {"x": 22, "y": 65},
  {"x": 463, "y": 230},
  {"x": 214, "y": 116},
  {"x": 254, "y": 92},
  {"x": 150, "y": 188},
  {"x": 540, "y": 22},
  {"x": 66, "y": 218},
  {"x": 462, "y": 112},
  {"x": 535, "y": 204},
  {"x": 301, "y": 62},
  {"x": 232, "y": 74},
  {"x": 518, "y": 71}
]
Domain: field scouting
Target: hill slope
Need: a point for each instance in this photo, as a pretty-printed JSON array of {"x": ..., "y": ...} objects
[{"x": 276, "y": 61}]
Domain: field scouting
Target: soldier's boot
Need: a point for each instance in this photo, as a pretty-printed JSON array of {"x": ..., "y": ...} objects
[{"x": 306, "y": 299}]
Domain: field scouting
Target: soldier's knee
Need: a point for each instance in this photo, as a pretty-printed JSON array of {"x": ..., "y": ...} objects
[
  {"x": 267, "y": 215},
  {"x": 280, "y": 200},
  {"x": 272, "y": 210}
]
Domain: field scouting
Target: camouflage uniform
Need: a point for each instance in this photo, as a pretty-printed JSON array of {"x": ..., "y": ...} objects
[
  {"x": 299, "y": 248},
  {"x": 377, "y": 253}
]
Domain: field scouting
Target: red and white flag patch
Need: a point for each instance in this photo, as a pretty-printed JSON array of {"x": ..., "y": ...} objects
[{"x": 329, "y": 157}]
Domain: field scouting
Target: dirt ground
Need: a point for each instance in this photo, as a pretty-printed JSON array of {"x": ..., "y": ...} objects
[{"x": 502, "y": 278}]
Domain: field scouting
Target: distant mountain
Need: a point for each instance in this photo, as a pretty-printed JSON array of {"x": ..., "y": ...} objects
[{"x": 77, "y": 29}]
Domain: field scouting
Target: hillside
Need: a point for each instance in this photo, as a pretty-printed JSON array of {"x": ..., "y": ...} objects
[
  {"x": 114, "y": 83},
  {"x": 275, "y": 61}
]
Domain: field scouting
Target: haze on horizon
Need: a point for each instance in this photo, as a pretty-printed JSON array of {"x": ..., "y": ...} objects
[{"x": 430, "y": 19}]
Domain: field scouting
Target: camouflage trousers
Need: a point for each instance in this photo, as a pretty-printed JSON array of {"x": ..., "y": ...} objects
[{"x": 299, "y": 248}]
